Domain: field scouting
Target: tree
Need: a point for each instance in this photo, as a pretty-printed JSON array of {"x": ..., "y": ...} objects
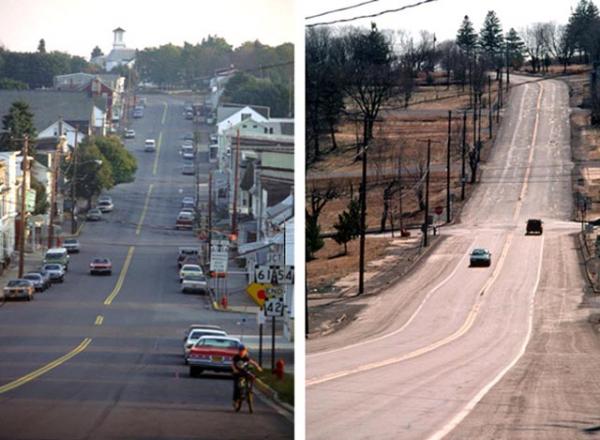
[
  {"x": 17, "y": 123},
  {"x": 583, "y": 30},
  {"x": 41, "y": 198},
  {"x": 348, "y": 225},
  {"x": 91, "y": 178},
  {"x": 466, "y": 39},
  {"x": 534, "y": 41},
  {"x": 319, "y": 197},
  {"x": 516, "y": 48},
  {"x": 42, "y": 46},
  {"x": 369, "y": 75},
  {"x": 122, "y": 163},
  {"x": 96, "y": 52},
  {"x": 247, "y": 88},
  {"x": 491, "y": 41},
  {"x": 12, "y": 84},
  {"x": 314, "y": 242},
  {"x": 557, "y": 43}
]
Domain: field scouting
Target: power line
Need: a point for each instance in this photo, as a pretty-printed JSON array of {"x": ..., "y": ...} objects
[
  {"x": 340, "y": 9},
  {"x": 377, "y": 14}
]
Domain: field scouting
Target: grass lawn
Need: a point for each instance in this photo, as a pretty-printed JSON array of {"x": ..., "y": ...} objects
[{"x": 284, "y": 388}]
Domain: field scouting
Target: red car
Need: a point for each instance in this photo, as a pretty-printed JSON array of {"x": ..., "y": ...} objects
[
  {"x": 100, "y": 266},
  {"x": 213, "y": 353},
  {"x": 185, "y": 220}
]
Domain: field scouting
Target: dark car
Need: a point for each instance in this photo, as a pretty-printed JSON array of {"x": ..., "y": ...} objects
[
  {"x": 534, "y": 226},
  {"x": 480, "y": 257}
]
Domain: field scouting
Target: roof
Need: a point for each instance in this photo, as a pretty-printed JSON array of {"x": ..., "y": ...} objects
[
  {"x": 119, "y": 29},
  {"x": 83, "y": 79},
  {"x": 121, "y": 54},
  {"x": 226, "y": 110},
  {"x": 48, "y": 106}
]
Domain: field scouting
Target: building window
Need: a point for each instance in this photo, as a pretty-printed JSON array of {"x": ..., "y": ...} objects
[{"x": 271, "y": 130}]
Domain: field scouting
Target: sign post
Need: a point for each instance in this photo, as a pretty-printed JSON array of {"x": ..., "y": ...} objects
[{"x": 261, "y": 321}]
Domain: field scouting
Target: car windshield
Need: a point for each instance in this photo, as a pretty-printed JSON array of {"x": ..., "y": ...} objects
[
  {"x": 479, "y": 252},
  {"x": 16, "y": 283},
  {"x": 217, "y": 343},
  {"x": 32, "y": 276},
  {"x": 191, "y": 268},
  {"x": 70, "y": 241},
  {"x": 52, "y": 267},
  {"x": 197, "y": 334},
  {"x": 194, "y": 277},
  {"x": 101, "y": 260}
]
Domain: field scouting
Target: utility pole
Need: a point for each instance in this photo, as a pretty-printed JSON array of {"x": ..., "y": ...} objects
[
  {"x": 448, "y": 192},
  {"x": 490, "y": 106},
  {"x": 401, "y": 221},
  {"x": 479, "y": 107},
  {"x": 209, "y": 213},
  {"x": 463, "y": 174},
  {"x": 426, "y": 225},
  {"x": 363, "y": 217},
  {"x": 55, "y": 170},
  {"x": 25, "y": 166},
  {"x": 235, "y": 185},
  {"x": 500, "y": 101},
  {"x": 74, "y": 185},
  {"x": 507, "y": 69}
]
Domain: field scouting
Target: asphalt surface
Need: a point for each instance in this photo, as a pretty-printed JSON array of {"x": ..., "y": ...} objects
[
  {"x": 100, "y": 357},
  {"x": 499, "y": 352}
]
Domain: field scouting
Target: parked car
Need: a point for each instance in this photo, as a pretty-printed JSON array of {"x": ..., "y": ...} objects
[
  {"x": 188, "y": 201},
  {"x": 185, "y": 252},
  {"x": 100, "y": 266},
  {"x": 184, "y": 221},
  {"x": 213, "y": 353},
  {"x": 480, "y": 257},
  {"x": 71, "y": 245},
  {"x": 192, "y": 327},
  {"x": 58, "y": 255},
  {"x": 105, "y": 198},
  {"x": 195, "y": 335},
  {"x": 138, "y": 112},
  {"x": 94, "y": 215},
  {"x": 150, "y": 145},
  {"x": 534, "y": 226},
  {"x": 189, "y": 136},
  {"x": 188, "y": 169},
  {"x": 37, "y": 280},
  {"x": 105, "y": 206},
  {"x": 189, "y": 269},
  {"x": 194, "y": 283},
  {"x": 19, "y": 288},
  {"x": 56, "y": 272},
  {"x": 129, "y": 133},
  {"x": 189, "y": 210},
  {"x": 45, "y": 277},
  {"x": 187, "y": 152}
]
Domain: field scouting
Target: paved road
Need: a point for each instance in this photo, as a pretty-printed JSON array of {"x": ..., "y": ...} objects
[
  {"x": 74, "y": 367},
  {"x": 423, "y": 354}
]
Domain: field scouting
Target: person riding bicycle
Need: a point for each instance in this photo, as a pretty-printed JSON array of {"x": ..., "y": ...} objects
[{"x": 239, "y": 371}]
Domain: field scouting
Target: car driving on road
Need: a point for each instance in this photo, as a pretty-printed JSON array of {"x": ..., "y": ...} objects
[
  {"x": 185, "y": 220},
  {"x": 188, "y": 169},
  {"x": 150, "y": 145},
  {"x": 213, "y": 353},
  {"x": 94, "y": 215},
  {"x": 58, "y": 255},
  {"x": 480, "y": 257},
  {"x": 129, "y": 133},
  {"x": 71, "y": 245},
  {"x": 105, "y": 206},
  {"x": 56, "y": 272},
  {"x": 189, "y": 269},
  {"x": 195, "y": 335},
  {"x": 100, "y": 266},
  {"x": 19, "y": 288},
  {"x": 534, "y": 226}
]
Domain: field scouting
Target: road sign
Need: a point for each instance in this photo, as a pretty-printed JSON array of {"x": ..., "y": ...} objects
[
  {"x": 30, "y": 200},
  {"x": 274, "y": 291},
  {"x": 258, "y": 292},
  {"x": 261, "y": 319},
  {"x": 274, "y": 307},
  {"x": 218, "y": 261},
  {"x": 262, "y": 274}
]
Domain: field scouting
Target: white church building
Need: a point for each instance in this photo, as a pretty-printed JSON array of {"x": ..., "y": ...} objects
[{"x": 120, "y": 55}]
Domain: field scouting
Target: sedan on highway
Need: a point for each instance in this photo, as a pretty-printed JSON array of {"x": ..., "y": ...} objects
[
  {"x": 100, "y": 266},
  {"x": 94, "y": 215},
  {"x": 19, "y": 288},
  {"x": 480, "y": 257},
  {"x": 185, "y": 220},
  {"x": 37, "y": 280},
  {"x": 213, "y": 353},
  {"x": 194, "y": 283},
  {"x": 195, "y": 335},
  {"x": 56, "y": 272},
  {"x": 189, "y": 269}
]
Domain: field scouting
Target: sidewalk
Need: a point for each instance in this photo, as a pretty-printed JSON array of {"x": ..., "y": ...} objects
[
  {"x": 234, "y": 289},
  {"x": 33, "y": 260}
]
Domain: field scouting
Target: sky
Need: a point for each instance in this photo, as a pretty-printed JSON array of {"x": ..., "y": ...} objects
[
  {"x": 76, "y": 26},
  {"x": 443, "y": 17}
]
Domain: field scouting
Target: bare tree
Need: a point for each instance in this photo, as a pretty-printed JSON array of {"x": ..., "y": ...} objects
[
  {"x": 556, "y": 42},
  {"x": 535, "y": 44}
]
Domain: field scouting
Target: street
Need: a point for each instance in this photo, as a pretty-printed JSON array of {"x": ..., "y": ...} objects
[
  {"x": 100, "y": 357},
  {"x": 487, "y": 353}
]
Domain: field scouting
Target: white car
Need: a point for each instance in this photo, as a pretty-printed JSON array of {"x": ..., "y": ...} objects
[
  {"x": 188, "y": 169},
  {"x": 195, "y": 335},
  {"x": 150, "y": 145},
  {"x": 105, "y": 206},
  {"x": 189, "y": 269},
  {"x": 129, "y": 133},
  {"x": 188, "y": 202},
  {"x": 194, "y": 283},
  {"x": 105, "y": 198},
  {"x": 71, "y": 245}
]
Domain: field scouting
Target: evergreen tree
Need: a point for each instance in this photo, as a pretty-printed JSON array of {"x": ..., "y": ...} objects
[
  {"x": 42, "y": 46},
  {"x": 516, "y": 48},
  {"x": 96, "y": 52},
  {"x": 491, "y": 41},
  {"x": 17, "y": 123},
  {"x": 313, "y": 240},
  {"x": 583, "y": 30},
  {"x": 466, "y": 38},
  {"x": 348, "y": 225}
]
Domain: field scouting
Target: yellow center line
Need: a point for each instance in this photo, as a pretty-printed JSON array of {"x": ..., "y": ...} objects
[
  {"x": 143, "y": 216},
  {"x": 99, "y": 320},
  {"x": 46, "y": 368},
  {"x": 109, "y": 299},
  {"x": 164, "y": 116},
  {"x": 157, "y": 155}
]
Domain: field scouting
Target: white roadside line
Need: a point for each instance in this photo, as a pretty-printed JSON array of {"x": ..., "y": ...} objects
[
  {"x": 455, "y": 421},
  {"x": 406, "y": 324}
]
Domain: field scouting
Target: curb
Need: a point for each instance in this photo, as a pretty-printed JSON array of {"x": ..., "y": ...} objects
[
  {"x": 585, "y": 254},
  {"x": 217, "y": 308},
  {"x": 271, "y": 394},
  {"x": 78, "y": 232}
]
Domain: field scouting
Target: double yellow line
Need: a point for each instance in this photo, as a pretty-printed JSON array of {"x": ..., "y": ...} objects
[
  {"x": 46, "y": 368},
  {"x": 109, "y": 299}
]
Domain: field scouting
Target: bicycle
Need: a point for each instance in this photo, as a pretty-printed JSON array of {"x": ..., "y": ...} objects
[{"x": 246, "y": 384}]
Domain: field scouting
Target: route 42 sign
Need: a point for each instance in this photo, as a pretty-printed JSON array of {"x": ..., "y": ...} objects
[{"x": 274, "y": 306}]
